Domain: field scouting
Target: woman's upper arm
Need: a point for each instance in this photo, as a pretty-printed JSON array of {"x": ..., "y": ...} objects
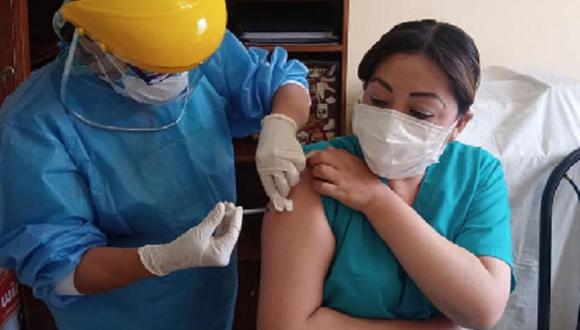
[{"x": 297, "y": 248}]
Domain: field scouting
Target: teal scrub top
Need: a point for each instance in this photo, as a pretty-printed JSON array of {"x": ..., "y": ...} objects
[{"x": 463, "y": 197}]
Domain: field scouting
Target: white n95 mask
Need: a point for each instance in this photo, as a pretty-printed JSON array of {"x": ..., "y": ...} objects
[{"x": 396, "y": 145}]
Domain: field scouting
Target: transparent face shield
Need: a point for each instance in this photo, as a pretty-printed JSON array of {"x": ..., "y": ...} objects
[{"x": 142, "y": 91}]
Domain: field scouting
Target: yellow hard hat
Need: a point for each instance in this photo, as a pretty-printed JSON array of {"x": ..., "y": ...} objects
[{"x": 166, "y": 36}]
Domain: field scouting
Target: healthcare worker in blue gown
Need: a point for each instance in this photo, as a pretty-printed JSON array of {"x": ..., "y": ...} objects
[{"x": 117, "y": 186}]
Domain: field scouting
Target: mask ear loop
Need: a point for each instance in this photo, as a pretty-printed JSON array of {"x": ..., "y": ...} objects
[
  {"x": 448, "y": 134},
  {"x": 354, "y": 113},
  {"x": 360, "y": 97}
]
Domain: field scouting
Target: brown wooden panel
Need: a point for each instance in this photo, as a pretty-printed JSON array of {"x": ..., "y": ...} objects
[
  {"x": 249, "y": 188},
  {"x": 43, "y": 40},
  {"x": 14, "y": 54},
  {"x": 247, "y": 303},
  {"x": 250, "y": 195},
  {"x": 303, "y": 48},
  {"x": 344, "y": 77},
  {"x": 245, "y": 150},
  {"x": 36, "y": 314}
]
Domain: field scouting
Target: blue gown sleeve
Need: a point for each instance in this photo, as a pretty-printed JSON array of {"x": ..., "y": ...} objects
[
  {"x": 46, "y": 217},
  {"x": 248, "y": 80},
  {"x": 486, "y": 230}
]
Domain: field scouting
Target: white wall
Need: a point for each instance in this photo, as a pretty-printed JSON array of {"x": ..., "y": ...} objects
[{"x": 539, "y": 33}]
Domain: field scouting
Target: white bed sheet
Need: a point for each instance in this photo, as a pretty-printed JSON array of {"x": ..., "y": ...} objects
[{"x": 530, "y": 120}]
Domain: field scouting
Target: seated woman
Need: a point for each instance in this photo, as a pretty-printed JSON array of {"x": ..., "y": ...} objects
[{"x": 412, "y": 230}]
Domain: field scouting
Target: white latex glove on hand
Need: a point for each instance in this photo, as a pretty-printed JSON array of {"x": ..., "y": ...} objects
[
  {"x": 209, "y": 244},
  {"x": 279, "y": 159}
]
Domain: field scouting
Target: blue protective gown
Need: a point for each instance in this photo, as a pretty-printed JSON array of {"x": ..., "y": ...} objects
[{"x": 66, "y": 187}]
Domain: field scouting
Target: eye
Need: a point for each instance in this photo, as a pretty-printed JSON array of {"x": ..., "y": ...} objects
[
  {"x": 379, "y": 102},
  {"x": 420, "y": 114}
]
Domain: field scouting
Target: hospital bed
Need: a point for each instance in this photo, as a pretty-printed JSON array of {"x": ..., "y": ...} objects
[{"x": 530, "y": 120}]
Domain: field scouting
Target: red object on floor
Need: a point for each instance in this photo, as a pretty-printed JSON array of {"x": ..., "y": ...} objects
[{"x": 9, "y": 298}]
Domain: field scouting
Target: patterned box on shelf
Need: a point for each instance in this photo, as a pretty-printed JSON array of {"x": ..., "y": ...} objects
[{"x": 324, "y": 120}]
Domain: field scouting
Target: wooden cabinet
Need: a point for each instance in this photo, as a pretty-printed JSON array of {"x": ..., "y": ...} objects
[
  {"x": 303, "y": 19},
  {"x": 250, "y": 192},
  {"x": 14, "y": 54},
  {"x": 250, "y": 195},
  {"x": 28, "y": 42}
]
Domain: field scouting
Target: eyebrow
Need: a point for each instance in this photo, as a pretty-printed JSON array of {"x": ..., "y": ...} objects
[
  {"x": 388, "y": 87},
  {"x": 383, "y": 83},
  {"x": 428, "y": 94}
]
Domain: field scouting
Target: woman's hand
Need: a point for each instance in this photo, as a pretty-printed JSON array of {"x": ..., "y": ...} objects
[{"x": 345, "y": 177}]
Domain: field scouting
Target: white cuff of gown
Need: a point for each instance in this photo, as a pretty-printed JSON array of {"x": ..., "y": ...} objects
[
  {"x": 295, "y": 82},
  {"x": 66, "y": 286}
]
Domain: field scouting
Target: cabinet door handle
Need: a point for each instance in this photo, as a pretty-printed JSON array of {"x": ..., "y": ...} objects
[{"x": 6, "y": 73}]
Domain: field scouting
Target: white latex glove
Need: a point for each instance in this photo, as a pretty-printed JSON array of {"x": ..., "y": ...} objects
[
  {"x": 209, "y": 244},
  {"x": 279, "y": 159}
]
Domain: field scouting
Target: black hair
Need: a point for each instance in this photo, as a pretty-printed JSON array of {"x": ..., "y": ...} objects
[{"x": 448, "y": 46}]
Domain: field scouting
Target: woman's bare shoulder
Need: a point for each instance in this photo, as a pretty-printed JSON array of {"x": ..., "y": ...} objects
[{"x": 308, "y": 212}]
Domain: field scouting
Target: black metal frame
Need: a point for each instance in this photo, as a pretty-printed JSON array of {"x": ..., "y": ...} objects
[{"x": 544, "y": 281}]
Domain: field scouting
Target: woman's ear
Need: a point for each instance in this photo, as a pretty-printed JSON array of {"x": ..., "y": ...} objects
[{"x": 461, "y": 123}]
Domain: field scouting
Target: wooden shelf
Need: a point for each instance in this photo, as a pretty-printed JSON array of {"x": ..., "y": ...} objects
[
  {"x": 245, "y": 150},
  {"x": 249, "y": 241},
  {"x": 42, "y": 38},
  {"x": 303, "y": 48},
  {"x": 42, "y": 54}
]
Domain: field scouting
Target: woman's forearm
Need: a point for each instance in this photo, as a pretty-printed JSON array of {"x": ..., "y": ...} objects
[
  {"x": 326, "y": 318},
  {"x": 106, "y": 268},
  {"x": 454, "y": 279}
]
